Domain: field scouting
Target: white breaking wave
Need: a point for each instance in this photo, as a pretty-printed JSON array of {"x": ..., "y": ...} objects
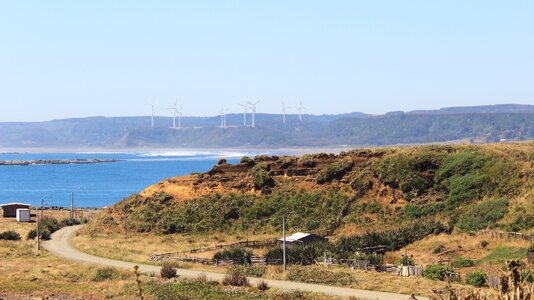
[{"x": 225, "y": 154}]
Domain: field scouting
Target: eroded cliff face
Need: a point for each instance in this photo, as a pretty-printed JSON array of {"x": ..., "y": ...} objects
[{"x": 298, "y": 172}]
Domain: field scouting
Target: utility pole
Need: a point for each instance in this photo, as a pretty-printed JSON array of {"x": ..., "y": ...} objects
[
  {"x": 284, "y": 241},
  {"x": 37, "y": 230},
  {"x": 72, "y": 207},
  {"x": 124, "y": 212},
  {"x": 42, "y": 204}
]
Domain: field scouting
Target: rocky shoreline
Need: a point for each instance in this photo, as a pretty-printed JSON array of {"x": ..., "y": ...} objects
[{"x": 54, "y": 162}]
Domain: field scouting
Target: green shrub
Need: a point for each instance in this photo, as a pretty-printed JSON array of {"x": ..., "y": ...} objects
[
  {"x": 247, "y": 161},
  {"x": 44, "y": 233},
  {"x": 319, "y": 275},
  {"x": 466, "y": 188},
  {"x": 262, "y": 286},
  {"x": 168, "y": 270},
  {"x": 437, "y": 272},
  {"x": 238, "y": 255},
  {"x": 462, "y": 262},
  {"x": 335, "y": 170},
  {"x": 524, "y": 221},
  {"x": 361, "y": 183},
  {"x": 476, "y": 278},
  {"x": 261, "y": 177},
  {"x": 248, "y": 270},
  {"x": 393, "y": 239},
  {"x": 9, "y": 235},
  {"x": 407, "y": 260},
  {"x": 287, "y": 161},
  {"x": 69, "y": 222},
  {"x": 438, "y": 249},
  {"x": 307, "y": 161},
  {"x": 103, "y": 274},
  {"x": 51, "y": 224},
  {"x": 482, "y": 215},
  {"x": 236, "y": 278}
]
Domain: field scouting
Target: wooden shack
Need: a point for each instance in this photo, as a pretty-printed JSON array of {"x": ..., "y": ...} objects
[
  {"x": 9, "y": 210},
  {"x": 301, "y": 238}
]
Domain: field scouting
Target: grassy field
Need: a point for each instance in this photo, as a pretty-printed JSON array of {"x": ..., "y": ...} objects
[
  {"x": 28, "y": 276},
  {"x": 138, "y": 247}
]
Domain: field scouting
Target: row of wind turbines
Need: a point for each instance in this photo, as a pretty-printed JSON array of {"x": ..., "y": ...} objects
[{"x": 246, "y": 107}]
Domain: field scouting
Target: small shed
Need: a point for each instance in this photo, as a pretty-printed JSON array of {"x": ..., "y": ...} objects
[
  {"x": 9, "y": 210},
  {"x": 23, "y": 215},
  {"x": 302, "y": 238}
]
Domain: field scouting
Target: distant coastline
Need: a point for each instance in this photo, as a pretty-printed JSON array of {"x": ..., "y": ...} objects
[{"x": 54, "y": 162}]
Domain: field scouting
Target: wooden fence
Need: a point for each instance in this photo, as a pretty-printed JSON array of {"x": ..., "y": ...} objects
[
  {"x": 505, "y": 235},
  {"x": 241, "y": 244}
]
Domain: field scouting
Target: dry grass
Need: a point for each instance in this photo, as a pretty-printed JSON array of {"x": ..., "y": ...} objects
[
  {"x": 138, "y": 247},
  {"x": 26, "y": 275},
  {"x": 455, "y": 245}
]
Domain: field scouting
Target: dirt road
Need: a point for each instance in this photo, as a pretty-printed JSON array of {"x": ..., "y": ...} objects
[{"x": 61, "y": 245}]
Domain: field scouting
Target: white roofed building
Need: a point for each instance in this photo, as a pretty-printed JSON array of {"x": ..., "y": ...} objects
[{"x": 302, "y": 238}]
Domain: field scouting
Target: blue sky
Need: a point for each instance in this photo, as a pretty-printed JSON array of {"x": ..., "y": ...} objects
[{"x": 81, "y": 58}]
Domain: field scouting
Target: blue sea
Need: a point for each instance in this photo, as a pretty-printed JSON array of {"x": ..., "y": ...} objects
[{"x": 100, "y": 184}]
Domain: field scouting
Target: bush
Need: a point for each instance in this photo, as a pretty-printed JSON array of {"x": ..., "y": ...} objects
[
  {"x": 361, "y": 184},
  {"x": 44, "y": 234},
  {"x": 103, "y": 274},
  {"x": 247, "y": 161},
  {"x": 168, "y": 270},
  {"x": 9, "y": 235},
  {"x": 482, "y": 215},
  {"x": 307, "y": 161},
  {"x": 236, "y": 278},
  {"x": 437, "y": 272},
  {"x": 69, "y": 222},
  {"x": 49, "y": 223},
  {"x": 262, "y": 286},
  {"x": 319, "y": 275},
  {"x": 261, "y": 177},
  {"x": 248, "y": 270},
  {"x": 438, "y": 249},
  {"x": 476, "y": 278},
  {"x": 407, "y": 260},
  {"x": 335, "y": 170},
  {"x": 462, "y": 262},
  {"x": 238, "y": 255},
  {"x": 484, "y": 244}
]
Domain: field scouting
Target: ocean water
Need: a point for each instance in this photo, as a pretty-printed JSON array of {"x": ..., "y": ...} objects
[{"x": 101, "y": 184}]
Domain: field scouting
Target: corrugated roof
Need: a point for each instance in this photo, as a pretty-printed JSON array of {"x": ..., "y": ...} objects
[
  {"x": 295, "y": 236},
  {"x": 14, "y": 203}
]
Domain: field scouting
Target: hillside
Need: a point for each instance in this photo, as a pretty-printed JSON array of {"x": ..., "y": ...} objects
[
  {"x": 479, "y": 124},
  {"x": 463, "y": 187}
]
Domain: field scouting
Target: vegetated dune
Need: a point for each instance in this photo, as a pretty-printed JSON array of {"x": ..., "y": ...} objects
[{"x": 470, "y": 187}]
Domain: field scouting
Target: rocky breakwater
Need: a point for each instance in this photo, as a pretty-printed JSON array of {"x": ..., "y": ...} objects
[{"x": 55, "y": 161}]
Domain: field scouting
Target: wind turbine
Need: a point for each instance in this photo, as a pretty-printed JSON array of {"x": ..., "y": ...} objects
[
  {"x": 175, "y": 112},
  {"x": 253, "y": 107},
  {"x": 245, "y": 111},
  {"x": 152, "y": 116},
  {"x": 284, "y": 112},
  {"x": 300, "y": 109},
  {"x": 223, "y": 117}
]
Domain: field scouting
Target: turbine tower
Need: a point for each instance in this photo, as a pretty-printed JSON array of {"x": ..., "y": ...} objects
[
  {"x": 175, "y": 112},
  {"x": 223, "y": 117},
  {"x": 245, "y": 111},
  {"x": 152, "y": 116},
  {"x": 300, "y": 109},
  {"x": 284, "y": 112},
  {"x": 253, "y": 107}
]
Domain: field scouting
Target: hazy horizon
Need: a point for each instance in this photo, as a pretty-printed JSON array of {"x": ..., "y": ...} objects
[{"x": 62, "y": 59}]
